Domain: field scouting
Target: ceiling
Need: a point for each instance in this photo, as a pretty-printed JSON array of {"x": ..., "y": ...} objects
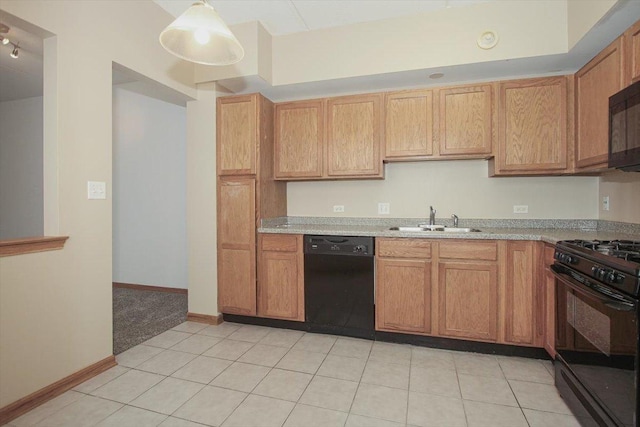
[
  {"x": 22, "y": 78},
  {"x": 293, "y": 16}
]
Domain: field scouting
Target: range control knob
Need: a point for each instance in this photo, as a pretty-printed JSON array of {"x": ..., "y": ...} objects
[
  {"x": 360, "y": 249},
  {"x": 566, "y": 258},
  {"x": 594, "y": 270}
]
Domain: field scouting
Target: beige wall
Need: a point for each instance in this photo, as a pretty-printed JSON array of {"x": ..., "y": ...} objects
[
  {"x": 201, "y": 201},
  {"x": 460, "y": 187},
  {"x": 55, "y": 307},
  {"x": 443, "y": 38},
  {"x": 623, "y": 189},
  {"x": 583, "y": 15}
]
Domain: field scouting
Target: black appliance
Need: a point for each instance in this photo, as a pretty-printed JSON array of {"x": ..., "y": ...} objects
[
  {"x": 339, "y": 285},
  {"x": 624, "y": 129},
  {"x": 597, "y": 340}
]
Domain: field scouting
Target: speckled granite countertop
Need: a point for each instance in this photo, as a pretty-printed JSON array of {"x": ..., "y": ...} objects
[{"x": 550, "y": 231}]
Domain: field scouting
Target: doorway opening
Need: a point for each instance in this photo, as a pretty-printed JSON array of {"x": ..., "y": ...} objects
[{"x": 149, "y": 209}]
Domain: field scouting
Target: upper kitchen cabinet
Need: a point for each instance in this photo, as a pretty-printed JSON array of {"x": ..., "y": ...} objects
[
  {"x": 532, "y": 127},
  {"x": 465, "y": 121},
  {"x": 333, "y": 138},
  {"x": 237, "y": 135},
  {"x": 602, "y": 77},
  {"x": 354, "y": 136},
  {"x": 632, "y": 53},
  {"x": 299, "y": 142},
  {"x": 409, "y": 125}
]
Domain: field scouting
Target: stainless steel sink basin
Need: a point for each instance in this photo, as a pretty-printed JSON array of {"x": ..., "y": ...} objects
[
  {"x": 408, "y": 229},
  {"x": 460, "y": 230},
  {"x": 434, "y": 229}
]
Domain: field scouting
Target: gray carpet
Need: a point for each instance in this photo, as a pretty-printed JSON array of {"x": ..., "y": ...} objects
[{"x": 140, "y": 315}]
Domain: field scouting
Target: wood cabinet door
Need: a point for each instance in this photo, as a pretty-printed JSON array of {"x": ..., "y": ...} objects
[
  {"x": 595, "y": 83},
  {"x": 299, "y": 139},
  {"x": 409, "y": 124},
  {"x": 550, "y": 312},
  {"x": 236, "y": 246},
  {"x": 353, "y": 136},
  {"x": 403, "y": 295},
  {"x": 466, "y": 115},
  {"x": 237, "y": 130},
  {"x": 468, "y": 300},
  {"x": 520, "y": 294},
  {"x": 281, "y": 277},
  {"x": 632, "y": 54},
  {"x": 532, "y": 126}
]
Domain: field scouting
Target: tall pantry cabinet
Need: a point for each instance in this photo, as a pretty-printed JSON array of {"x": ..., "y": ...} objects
[{"x": 246, "y": 193}]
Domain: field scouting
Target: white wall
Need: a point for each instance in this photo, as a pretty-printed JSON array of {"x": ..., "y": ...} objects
[
  {"x": 149, "y": 191},
  {"x": 21, "y": 198},
  {"x": 623, "y": 190},
  {"x": 460, "y": 187}
]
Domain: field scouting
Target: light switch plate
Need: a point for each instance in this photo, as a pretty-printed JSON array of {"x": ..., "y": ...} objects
[
  {"x": 520, "y": 209},
  {"x": 605, "y": 203},
  {"x": 96, "y": 190},
  {"x": 338, "y": 208}
]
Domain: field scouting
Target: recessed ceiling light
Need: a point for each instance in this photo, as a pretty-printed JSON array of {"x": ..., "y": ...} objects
[
  {"x": 436, "y": 75},
  {"x": 488, "y": 39}
]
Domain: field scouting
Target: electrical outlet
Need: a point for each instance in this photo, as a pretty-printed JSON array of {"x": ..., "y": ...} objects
[
  {"x": 96, "y": 190},
  {"x": 605, "y": 203},
  {"x": 520, "y": 209},
  {"x": 383, "y": 209},
  {"x": 338, "y": 208}
]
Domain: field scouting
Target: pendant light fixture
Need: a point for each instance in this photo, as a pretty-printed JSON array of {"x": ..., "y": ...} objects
[{"x": 199, "y": 35}]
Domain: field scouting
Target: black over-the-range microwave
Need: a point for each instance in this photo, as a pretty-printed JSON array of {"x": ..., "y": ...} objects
[{"x": 624, "y": 129}]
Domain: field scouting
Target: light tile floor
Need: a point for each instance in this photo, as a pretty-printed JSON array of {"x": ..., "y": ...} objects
[{"x": 243, "y": 375}]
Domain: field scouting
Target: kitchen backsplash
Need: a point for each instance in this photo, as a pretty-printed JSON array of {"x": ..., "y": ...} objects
[{"x": 452, "y": 187}]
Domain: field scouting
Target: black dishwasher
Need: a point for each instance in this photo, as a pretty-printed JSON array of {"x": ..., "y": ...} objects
[{"x": 339, "y": 285}]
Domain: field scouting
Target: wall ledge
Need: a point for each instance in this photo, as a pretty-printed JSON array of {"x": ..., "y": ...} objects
[{"x": 31, "y": 245}]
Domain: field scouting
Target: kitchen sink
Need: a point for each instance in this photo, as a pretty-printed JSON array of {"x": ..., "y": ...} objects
[{"x": 435, "y": 228}]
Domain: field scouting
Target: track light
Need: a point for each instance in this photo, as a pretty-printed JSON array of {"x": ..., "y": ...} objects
[
  {"x": 5, "y": 40},
  {"x": 14, "y": 52}
]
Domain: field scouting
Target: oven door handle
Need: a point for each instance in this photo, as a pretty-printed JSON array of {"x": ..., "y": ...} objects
[{"x": 614, "y": 301}]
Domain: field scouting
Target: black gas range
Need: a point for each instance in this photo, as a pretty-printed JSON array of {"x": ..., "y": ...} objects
[{"x": 597, "y": 341}]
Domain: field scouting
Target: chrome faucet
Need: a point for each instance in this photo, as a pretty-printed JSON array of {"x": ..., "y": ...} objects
[
  {"x": 455, "y": 220},
  {"x": 432, "y": 216}
]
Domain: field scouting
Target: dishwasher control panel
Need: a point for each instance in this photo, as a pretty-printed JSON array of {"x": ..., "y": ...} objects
[{"x": 343, "y": 245}]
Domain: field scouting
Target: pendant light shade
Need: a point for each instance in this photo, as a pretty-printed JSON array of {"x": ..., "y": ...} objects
[{"x": 200, "y": 35}]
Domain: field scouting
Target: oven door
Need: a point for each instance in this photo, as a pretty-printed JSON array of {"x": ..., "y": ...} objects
[{"x": 597, "y": 340}]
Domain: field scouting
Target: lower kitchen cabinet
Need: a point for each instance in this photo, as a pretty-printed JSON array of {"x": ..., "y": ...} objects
[
  {"x": 479, "y": 290},
  {"x": 236, "y": 246},
  {"x": 403, "y": 295},
  {"x": 550, "y": 313},
  {"x": 523, "y": 316},
  {"x": 468, "y": 300},
  {"x": 403, "y": 285},
  {"x": 280, "y": 277}
]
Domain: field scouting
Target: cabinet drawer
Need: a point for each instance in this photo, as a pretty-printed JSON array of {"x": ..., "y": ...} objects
[
  {"x": 403, "y": 248},
  {"x": 486, "y": 251},
  {"x": 279, "y": 242}
]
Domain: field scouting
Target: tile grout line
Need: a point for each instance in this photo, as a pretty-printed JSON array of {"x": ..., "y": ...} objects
[
  {"x": 515, "y": 396},
  {"x": 311, "y": 380}
]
